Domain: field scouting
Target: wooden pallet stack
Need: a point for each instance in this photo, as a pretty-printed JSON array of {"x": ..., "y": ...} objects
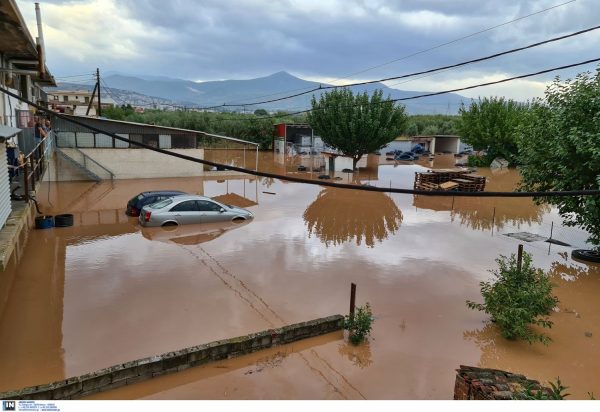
[{"x": 449, "y": 179}]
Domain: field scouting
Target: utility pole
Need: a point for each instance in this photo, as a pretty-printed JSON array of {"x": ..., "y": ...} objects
[{"x": 98, "y": 84}]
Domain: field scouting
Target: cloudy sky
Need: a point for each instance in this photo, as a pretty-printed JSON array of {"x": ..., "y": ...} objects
[{"x": 322, "y": 40}]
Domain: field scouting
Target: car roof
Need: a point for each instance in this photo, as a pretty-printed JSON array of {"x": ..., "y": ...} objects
[
  {"x": 192, "y": 197},
  {"x": 162, "y": 192}
]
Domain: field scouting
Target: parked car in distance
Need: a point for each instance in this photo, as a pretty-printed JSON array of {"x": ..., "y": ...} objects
[
  {"x": 190, "y": 209},
  {"x": 135, "y": 205}
]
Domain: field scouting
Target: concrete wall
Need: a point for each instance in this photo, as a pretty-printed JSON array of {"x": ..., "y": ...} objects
[
  {"x": 141, "y": 163},
  {"x": 491, "y": 384},
  {"x": 147, "y": 368}
]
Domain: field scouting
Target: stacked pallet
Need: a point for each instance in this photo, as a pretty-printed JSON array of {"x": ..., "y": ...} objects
[{"x": 449, "y": 179}]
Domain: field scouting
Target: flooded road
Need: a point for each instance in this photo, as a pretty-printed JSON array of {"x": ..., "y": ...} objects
[{"x": 104, "y": 291}]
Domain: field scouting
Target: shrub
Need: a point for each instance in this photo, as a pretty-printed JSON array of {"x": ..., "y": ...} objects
[
  {"x": 518, "y": 299},
  {"x": 359, "y": 326},
  {"x": 556, "y": 393}
]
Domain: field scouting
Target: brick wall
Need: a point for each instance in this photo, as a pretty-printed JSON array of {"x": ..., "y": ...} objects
[
  {"x": 147, "y": 368},
  {"x": 491, "y": 384}
]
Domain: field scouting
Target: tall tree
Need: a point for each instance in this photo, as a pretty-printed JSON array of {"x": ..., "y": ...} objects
[
  {"x": 356, "y": 125},
  {"x": 559, "y": 146},
  {"x": 490, "y": 124}
]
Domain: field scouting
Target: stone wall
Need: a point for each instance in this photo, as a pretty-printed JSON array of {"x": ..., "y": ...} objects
[
  {"x": 147, "y": 368},
  {"x": 491, "y": 384}
]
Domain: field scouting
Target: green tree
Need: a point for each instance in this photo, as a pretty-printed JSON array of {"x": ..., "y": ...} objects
[
  {"x": 490, "y": 124},
  {"x": 261, "y": 112},
  {"x": 518, "y": 299},
  {"x": 559, "y": 145},
  {"x": 356, "y": 125}
]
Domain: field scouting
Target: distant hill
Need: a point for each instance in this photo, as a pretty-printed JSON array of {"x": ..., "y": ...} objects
[{"x": 280, "y": 84}]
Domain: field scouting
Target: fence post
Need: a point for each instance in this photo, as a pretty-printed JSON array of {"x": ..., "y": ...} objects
[
  {"x": 520, "y": 257},
  {"x": 32, "y": 164},
  {"x": 352, "y": 299},
  {"x": 26, "y": 180}
]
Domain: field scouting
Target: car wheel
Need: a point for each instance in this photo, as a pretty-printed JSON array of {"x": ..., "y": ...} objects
[
  {"x": 238, "y": 219},
  {"x": 169, "y": 224},
  {"x": 586, "y": 255}
]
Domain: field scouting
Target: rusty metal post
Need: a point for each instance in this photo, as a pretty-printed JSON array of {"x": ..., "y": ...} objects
[
  {"x": 520, "y": 257},
  {"x": 26, "y": 181},
  {"x": 352, "y": 299},
  {"x": 32, "y": 164}
]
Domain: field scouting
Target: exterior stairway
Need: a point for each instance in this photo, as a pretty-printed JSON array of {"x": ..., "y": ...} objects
[{"x": 94, "y": 170}]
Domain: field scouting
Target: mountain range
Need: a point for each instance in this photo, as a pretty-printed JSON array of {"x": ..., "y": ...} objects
[{"x": 214, "y": 93}]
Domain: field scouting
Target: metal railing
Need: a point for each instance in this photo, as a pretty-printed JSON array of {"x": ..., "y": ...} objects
[
  {"x": 36, "y": 162},
  {"x": 89, "y": 164}
]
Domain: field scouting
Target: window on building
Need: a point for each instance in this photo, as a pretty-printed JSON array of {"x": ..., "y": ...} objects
[
  {"x": 183, "y": 141},
  {"x": 136, "y": 138},
  {"x": 55, "y": 97},
  {"x": 65, "y": 98},
  {"x": 150, "y": 139},
  {"x": 87, "y": 99}
]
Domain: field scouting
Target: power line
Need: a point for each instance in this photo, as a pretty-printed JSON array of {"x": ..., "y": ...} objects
[
  {"x": 429, "y": 71},
  {"x": 437, "y": 46},
  {"x": 563, "y": 193},
  {"x": 458, "y": 39},
  {"x": 459, "y": 89}
]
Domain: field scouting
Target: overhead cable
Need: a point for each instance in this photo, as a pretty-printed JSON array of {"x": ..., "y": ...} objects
[
  {"x": 434, "y": 47},
  {"x": 451, "y": 66}
]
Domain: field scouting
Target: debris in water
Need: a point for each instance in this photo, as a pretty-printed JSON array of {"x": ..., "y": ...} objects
[
  {"x": 588, "y": 334},
  {"x": 269, "y": 193}
]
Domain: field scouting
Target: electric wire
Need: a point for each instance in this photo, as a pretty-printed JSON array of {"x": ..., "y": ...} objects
[
  {"x": 419, "y": 96},
  {"x": 429, "y": 71},
  {"x": 537, "y": 194},
  {"x": 435, "y": 47}
]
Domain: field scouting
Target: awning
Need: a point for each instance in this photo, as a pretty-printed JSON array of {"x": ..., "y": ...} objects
[{"x": 8, "y": 131}]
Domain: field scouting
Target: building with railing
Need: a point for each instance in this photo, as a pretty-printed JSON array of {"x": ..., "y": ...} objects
[
  {"x": 76, "y": 102},
  {"x": 23, "y": 72},
  {"x": 84, "y": 154}
]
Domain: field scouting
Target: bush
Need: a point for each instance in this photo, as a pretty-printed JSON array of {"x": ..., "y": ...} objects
[
  {"x": 518, "y": 299},
  {"x": 359, "y": 326}
]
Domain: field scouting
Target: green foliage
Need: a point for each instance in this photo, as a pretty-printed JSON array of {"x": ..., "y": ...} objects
[
  {"x": 118, "y": 112},
  {"x": 242, "y": 126},
  {"x": 355, "y": 124},
  {"x": 261, "y": 112},
  {"x": 479, "y": 161},
  {"x": 556, "y": 392},
  {"x": 431, "y": 124},
  {"x": 518, "y": 299},
  {"x": 559, "y": 146},
  {"x": 490, "y": 124},
  {"x": 359, "y": 326}
]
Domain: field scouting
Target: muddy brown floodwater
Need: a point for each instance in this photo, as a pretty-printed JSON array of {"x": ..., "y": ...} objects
[{"x": 105, "y": 292}]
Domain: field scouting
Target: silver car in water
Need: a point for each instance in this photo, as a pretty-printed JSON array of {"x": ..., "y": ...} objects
[{"x": 190, "y": 209}]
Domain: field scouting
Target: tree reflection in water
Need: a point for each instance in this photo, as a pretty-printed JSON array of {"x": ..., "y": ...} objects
[{"x": 340, "y": 215}]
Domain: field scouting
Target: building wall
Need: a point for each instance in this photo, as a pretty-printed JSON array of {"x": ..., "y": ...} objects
[
  {"x": 5, "y": 206},
  {"x": 140, "y": 164},
  {"x": 447, "y": 144},
  {"x": 402, "y": 145}
]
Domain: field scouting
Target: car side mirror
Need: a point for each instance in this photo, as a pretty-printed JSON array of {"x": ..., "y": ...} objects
[{"x": 221, "y": 210}]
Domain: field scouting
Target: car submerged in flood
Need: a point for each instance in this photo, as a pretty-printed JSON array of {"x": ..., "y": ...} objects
[
  {"x": 190, "y": 209},
  {"x": 135, "y": 205}
]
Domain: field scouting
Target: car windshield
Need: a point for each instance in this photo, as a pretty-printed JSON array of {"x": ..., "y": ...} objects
[{"x": 161, "y": 204}]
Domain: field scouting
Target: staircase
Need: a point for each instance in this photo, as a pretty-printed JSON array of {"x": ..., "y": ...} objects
[{"x": 94, "y": 170}]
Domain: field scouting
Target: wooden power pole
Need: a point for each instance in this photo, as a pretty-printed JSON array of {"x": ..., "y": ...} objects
[{"x": 99, "y": 99}]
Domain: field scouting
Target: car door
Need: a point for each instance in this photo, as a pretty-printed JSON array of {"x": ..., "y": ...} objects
[
  {"x": 186, "y": 212},
  {"x": 211, "y": 211}
]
